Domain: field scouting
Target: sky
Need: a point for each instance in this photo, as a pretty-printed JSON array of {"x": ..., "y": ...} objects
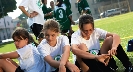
[{"x": 17, "y": 12}]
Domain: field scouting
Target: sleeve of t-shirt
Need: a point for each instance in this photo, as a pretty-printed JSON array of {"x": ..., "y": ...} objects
[
  {"x": 44, "y": 50},
  {"x": 85, "y": 5},
  {"x": 75, "y": 39},
  {"x": 24, "y": 3},
  {"x": 44, "y": 9},
  {"x": 101, "y": 33},
  {"x": 25, "y": 52},
  {"x": 65, "y": 41},
  {"x": 68, "y": 11}
]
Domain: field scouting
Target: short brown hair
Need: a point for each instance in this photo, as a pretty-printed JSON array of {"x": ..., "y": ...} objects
[
  {"x": 52, "y": 25},
  {"x": 85, "y": 19}
]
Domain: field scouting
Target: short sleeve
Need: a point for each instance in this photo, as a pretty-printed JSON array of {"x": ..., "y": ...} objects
[
  {"x": 25, "y": 52},
  {"x": 85, "y": 5},
  {"x": 68, "y": 11},
  {"x": 101, "y": 33},
  {"x": 25, "y": 3},
  {"x": 44, "y": 50},
  {"x": 44, "y": 9},
  {"x": 75, "y": 39},
  {"x": 65, "y": 41}
]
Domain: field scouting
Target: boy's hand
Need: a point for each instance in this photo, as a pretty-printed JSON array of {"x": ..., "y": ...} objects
[
  {"x": 104, "y": 58},
  {"x": 33, "y": 14},
  {"x": 72, "y": 67},
  {"x": 62, "y": 68}
]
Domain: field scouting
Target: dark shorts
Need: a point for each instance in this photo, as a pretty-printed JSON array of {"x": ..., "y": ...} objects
[
  {"x": 36, "y": 29},
  {"x": 57, "y": 70},
  {"x": 19, "y": 69}
]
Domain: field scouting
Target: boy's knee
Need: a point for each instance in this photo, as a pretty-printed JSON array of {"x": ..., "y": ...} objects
[
  {"x": 83, "y": 46},
  {"x": 109, "y": 39},
  {"x": 2, "y": 61}
]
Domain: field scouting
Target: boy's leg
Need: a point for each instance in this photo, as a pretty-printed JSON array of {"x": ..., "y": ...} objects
[
  {"x": 122, "y": 56},
  {"x": 106, "y": 46},
  {"x": 36, "y": 29},
  {"x": 81, "y": 65},
  {"x": 112, "y": 64},
  {"x": 96, "y": 66},
  {"x": 1, "y": 70},
  {"x": 7, "y": 66},
  {"x": 57, "y": 70}
]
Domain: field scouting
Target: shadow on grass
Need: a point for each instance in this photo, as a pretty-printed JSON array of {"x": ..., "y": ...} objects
[{"x": 3, "y": 44}]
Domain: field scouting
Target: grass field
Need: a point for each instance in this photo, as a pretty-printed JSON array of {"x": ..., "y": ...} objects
[{"x": 120, "y": 24}]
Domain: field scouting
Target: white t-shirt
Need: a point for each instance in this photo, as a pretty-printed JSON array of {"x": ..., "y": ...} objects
[
  {"x": 30, "y": 59},
  {"x": 93, "y": 42},
  {"x": 34, "y": 5},
  {"x": 45, "y": 49}
]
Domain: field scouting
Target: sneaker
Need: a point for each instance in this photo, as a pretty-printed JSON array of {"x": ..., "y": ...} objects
[{"x": 129, "y": 69}]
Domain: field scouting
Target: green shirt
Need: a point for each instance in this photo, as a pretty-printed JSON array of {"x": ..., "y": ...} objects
[
  {"x": 50, "y": 10},
  {"x": 67, "y": 3},
  {"x": 62, "y": 14},
  {"x": 83, "y": 5},
  {"x": 45, "y": 11}
]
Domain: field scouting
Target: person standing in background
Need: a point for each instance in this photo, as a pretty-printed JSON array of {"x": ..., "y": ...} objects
[
  {"x": 51, "y": 9},
  {"x": 83, "y": 7},
  {"x": 45, "y": 10},
  {"x": 34, "y": 14},
  {"x": 63, "y": 15}
]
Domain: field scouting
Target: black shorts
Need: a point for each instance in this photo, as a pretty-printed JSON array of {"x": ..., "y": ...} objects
[
  {"x": 36, "y": 29},
  {"x": 57, "y": 70},
  {"x": 19, "y": 69}
]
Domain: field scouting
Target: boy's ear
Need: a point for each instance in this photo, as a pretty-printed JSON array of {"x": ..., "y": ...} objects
[
  {"x": 58, "y": 33},
  {"x": 26, "y": 40}
]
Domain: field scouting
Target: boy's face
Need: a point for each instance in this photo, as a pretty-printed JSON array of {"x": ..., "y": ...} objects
[
  {"x": 45, "y": 1},
  {"x": 51, "y": 36},
  {"x": 19, "y": 43},
  {"x": 52, "y": 4},
  {"x": 87, "y": 30}
]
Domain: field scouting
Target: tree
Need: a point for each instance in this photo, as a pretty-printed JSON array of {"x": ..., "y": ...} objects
[{"x": 7, "y": 6}]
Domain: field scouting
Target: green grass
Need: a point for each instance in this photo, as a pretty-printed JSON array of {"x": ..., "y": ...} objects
[{"x": 120, "y": 24}]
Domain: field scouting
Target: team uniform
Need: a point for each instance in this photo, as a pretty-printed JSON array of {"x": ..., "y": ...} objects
[
  {"x": 93, "y": 44},
  {"x": 62, "y": 14},
  {"x": 50, "y": 10},
  {"x": 83, "y": 5},
  {"x": 67, "y": 3},
  {"x": 30, "y": 59},
  {"x": 55, "y": 52},
  {"x": 45, "y": 11},
  {"x": 35, "y": 23}
]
